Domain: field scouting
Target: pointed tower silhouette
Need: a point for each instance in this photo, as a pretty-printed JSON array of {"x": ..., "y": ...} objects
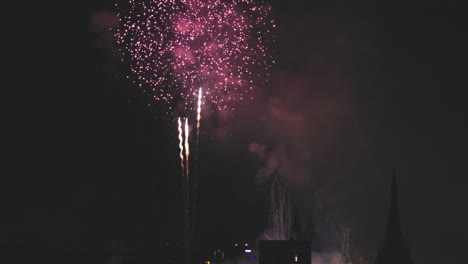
[{"x": 394, "y": 249}]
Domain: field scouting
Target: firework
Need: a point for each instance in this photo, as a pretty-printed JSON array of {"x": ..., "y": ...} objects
[
  {"x": 187, "y": 148},
  {"x": 185, "y": 187},
  {"x": 199, "y": 111},
  {"x": 184, "y": 145},
  {"x": 181, "y": 146},
  {"x": 175, "y": 46},
  {"x": 195, "y": 176}
]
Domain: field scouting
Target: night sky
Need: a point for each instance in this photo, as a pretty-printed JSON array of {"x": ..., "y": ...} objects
[{"x": 360, "y": 90}]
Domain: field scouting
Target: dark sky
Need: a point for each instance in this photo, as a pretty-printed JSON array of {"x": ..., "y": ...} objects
[{"x": 360, "y": 90}]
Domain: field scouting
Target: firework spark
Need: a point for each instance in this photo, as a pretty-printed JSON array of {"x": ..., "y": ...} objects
[{"x": 173, "y": 46}]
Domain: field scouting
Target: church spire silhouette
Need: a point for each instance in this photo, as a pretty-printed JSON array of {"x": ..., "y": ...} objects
[{"x": 394, "y": 249}]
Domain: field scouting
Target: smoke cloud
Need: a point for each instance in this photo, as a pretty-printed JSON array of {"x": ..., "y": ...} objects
[
  {"x": 104, "y": 20},
  {"x": 311, "y": 137},
  {"x": 102, "y": 24}
]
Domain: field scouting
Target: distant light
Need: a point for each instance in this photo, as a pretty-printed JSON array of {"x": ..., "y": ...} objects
[
  {"x": 246, "y": 244},
  {"x": 236, "y": 244},
  {"x": 248, "y": 250},
  {"x": 254, "y": 257}
]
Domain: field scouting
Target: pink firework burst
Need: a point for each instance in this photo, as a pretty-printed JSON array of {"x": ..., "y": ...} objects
[{"x": 175, "y": 47}]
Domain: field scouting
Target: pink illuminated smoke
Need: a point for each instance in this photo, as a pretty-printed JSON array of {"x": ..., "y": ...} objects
[{"x": 175, "y": 47}]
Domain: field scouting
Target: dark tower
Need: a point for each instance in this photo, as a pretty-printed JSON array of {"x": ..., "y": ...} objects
[{"x": 394, "y": 249}]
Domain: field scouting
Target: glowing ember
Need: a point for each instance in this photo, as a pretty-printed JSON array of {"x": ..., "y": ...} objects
[{"x": 175, "y": 46}]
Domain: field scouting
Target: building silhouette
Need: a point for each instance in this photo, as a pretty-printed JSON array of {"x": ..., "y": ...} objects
[
  {"x": 394, "y": 249},
  {"x": 285, "y": 252}
]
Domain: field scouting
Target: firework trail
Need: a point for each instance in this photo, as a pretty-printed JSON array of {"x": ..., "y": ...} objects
[
  {"x": 181, "y": 146},
  {"x": 181, "y": 155},
  {"x": 187, "y": 149},
  {"x": 184, "y": 145},
  {"x": 174, "y": 46},
  {"x": 195, "y": 177},
  {"x": 199, "y": 111},
  {"x": 187, "y": 200}
]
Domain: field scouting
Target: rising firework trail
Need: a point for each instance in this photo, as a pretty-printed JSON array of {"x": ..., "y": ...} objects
[
  {"x": 185, "y": 168},
  {"x": 195, "y": 175},
  {"x": 188, "y": 247},
  {"x": 187, "y": 149},
  {"x": 199, "y": 111},
  {"x": 187, "y": 181},
  {"x": 181, "y": 153},
  {"x": 185, "y": 186}
]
